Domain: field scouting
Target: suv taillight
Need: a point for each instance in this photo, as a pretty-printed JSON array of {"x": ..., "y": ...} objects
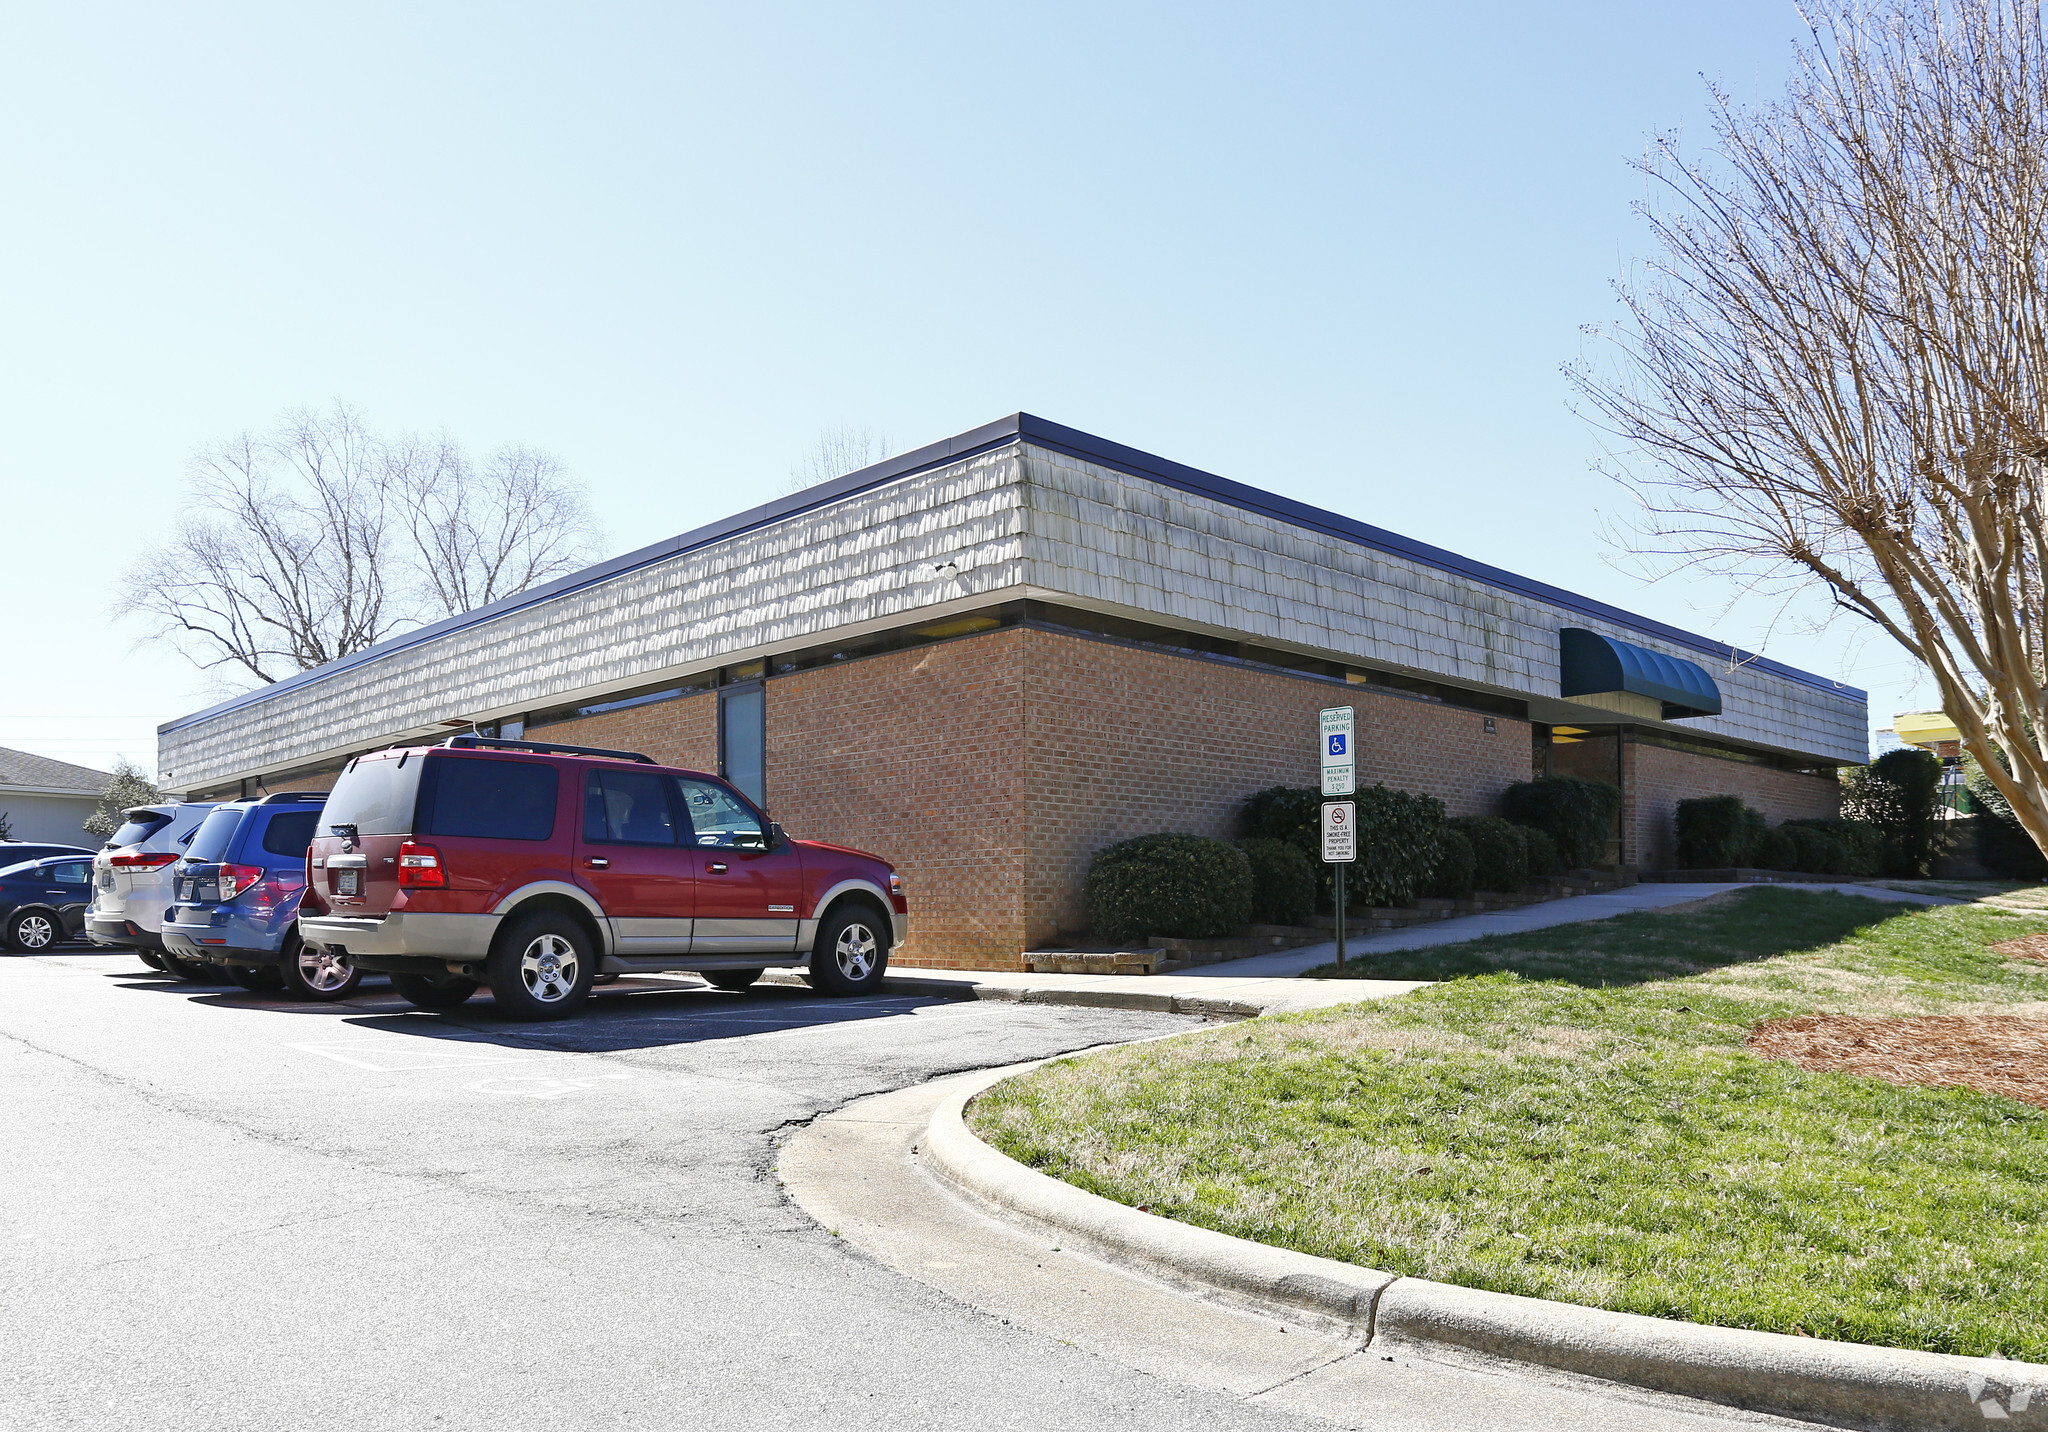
[
  {"x": 146, "y": 860},
  {"x": 234, "y": 879},
  {"x": 419, "y": 867}
]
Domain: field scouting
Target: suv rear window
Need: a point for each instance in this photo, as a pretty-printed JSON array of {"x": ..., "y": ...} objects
[
  {"x": 215, "y": 834},
  {"x": 479, "y": 796},
  {"x": 376, "y": 797},
  {"x": 139, "y": 829},
  {"x": 290, "y": 832}
]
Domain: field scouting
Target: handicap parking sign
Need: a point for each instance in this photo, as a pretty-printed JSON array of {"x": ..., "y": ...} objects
[{"x": 1340, "y": 775}]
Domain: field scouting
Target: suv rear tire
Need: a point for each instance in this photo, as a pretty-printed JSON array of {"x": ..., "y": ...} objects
[
  {"x": 316, "y": 975},
  {"x": 151, "y": 958},
  {"x": 851, "y": 952},
  {"x": 542, "y": 967},
  {"x": 730, "y": 979},
  {"x": 449, "y": 992}
]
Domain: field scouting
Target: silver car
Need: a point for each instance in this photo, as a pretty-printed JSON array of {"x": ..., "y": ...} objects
[{"x": 131, "y": 882}]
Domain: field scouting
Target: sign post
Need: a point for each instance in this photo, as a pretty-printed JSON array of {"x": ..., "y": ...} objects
[
  {"x": 1340, "y": 848},
  {"x": 1336, "y": 739}
]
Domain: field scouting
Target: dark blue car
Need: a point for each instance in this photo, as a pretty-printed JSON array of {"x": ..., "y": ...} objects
[
  {"x": 236, "y": 897},
  {"x": 42, "y": 902}
]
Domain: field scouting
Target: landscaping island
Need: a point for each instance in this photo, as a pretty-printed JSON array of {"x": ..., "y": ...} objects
[{"x": 1643, "y": 1114}]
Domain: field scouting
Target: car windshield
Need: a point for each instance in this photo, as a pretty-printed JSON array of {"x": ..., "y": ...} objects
[
  {"x": 215, "y": 834},
  {"x": 140, "y": 827},
  {"x": 375, "y": 796}
]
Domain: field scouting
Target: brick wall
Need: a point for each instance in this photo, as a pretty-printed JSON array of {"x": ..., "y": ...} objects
[
  {"x": 682, "y": 732},
  {"x": 1123, "y": 742},
  {"x": 1659, "y": 778}
]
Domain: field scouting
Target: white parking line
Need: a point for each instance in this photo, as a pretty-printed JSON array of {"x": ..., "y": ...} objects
[{"x": 397, "y": 1060}]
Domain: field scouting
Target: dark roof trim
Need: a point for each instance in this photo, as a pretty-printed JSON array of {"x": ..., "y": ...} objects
[
  {"x": 1075, "y": 443},
  {"x": 1590, "y": 664}
]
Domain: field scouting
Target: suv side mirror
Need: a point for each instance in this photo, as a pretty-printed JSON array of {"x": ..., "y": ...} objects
[{"x": 777, "y": 836}]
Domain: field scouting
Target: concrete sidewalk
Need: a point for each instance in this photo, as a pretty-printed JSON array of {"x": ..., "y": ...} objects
[{"x": 1270, "y": 984}]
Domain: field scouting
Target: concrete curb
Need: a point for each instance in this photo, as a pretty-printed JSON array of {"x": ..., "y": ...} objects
[
  {"x": 1083, "y": 998},
  {"x": 1322, "y": 1288},
  {"x": 1838, "y": 1383}
]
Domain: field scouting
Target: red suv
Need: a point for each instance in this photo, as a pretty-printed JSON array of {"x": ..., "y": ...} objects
[{"x": 535, "y": 868}]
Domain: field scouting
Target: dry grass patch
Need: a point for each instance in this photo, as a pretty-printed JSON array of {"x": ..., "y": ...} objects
[{"x": 1993, "y": 1054}]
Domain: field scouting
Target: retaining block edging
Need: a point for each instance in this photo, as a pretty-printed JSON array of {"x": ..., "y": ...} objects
[{"x": 1844, "y": 1384}]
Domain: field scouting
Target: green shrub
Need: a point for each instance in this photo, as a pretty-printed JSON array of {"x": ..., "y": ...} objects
[
  {"x": 1452, "y": 879},
  {"x": 1816, "y": 852},
  {"x": 1397, "y": 846},
  {"x": 1500, "y": 849},
  {"x": 1578, "y": 815},
  {"x": 1544, "y": 861},
  {"x": 1283, "y": 882},
  {"x": 2003, "y": 844},
  {"x": 1289, "y": 813},
  {"x": 1778, "y": 850},
  {"x": 1862, "y": 843},
  {"x": 1900, "y": 794},
  {"x": 1716, "y": 832},
  {"x": 1188, "y": 886}
]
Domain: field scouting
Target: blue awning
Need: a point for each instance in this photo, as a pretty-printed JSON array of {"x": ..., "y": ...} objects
[{"x": 1593, "y": 664}]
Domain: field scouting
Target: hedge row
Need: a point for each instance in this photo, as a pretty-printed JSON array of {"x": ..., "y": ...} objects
[{"x": 1718, "y": 832}]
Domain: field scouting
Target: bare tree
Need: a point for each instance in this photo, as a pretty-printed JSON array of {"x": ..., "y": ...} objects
[
  {"x": 294, "y": 550},
  {"x": 283, "y": 562},
  {"x": 1838, "y": 358},
  {"x": 482, "y": 534},
  {"x": 840, "y": 449}
]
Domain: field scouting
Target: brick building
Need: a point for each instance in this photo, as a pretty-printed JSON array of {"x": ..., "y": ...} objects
[{"x": 988, "y": 658}]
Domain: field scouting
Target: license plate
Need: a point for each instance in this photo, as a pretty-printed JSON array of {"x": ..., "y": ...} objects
[
  {"x": 348, "y": 882},
  {"x": 184, "y": 890}
]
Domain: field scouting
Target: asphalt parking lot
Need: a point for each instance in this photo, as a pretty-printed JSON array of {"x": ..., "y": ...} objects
[{"x": 229, "y": 1211}]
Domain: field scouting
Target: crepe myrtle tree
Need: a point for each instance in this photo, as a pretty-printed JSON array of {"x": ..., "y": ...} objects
[
  {"x": 1836, "y": 357},
  {"x": 320, "y": 538}
]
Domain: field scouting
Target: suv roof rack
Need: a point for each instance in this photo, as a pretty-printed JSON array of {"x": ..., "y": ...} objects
[
  {"x": 464, "y": 743},
  {"x": 277, "y": 796}
]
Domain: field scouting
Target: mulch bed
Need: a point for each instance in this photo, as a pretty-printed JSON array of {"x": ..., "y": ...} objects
[
  {"x": 1991, "y": 1053},
  {"x": 2026, "y": 947}
]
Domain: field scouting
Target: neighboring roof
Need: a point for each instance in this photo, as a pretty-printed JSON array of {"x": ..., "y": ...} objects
[
  {"x": 1924, "y": 728},
  {"x": 21, "y": 771},
  {"x": 1023, "y": 427}
]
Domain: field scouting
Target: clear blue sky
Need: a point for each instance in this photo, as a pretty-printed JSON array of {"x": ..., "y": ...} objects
[{"x": 1336, "y": 251}]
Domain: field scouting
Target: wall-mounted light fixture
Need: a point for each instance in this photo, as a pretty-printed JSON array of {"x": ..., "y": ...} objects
[{"x": 948, "y": 570}]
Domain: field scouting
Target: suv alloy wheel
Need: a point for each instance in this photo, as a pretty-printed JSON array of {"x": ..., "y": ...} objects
[
  {"x": 315, "y": 974},
  {"x": 851, "y": 952},
  {"x": 542, "y": 966}
]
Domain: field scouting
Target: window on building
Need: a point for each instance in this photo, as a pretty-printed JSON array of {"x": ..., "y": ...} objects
[{"x": 743, "y": 740}]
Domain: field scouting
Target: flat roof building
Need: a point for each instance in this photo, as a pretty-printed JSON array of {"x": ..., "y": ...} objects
[{"x": 990, "y": 657}]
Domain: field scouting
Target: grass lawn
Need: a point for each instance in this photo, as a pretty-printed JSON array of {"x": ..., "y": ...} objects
[{"x": 1573, "y": 1115}]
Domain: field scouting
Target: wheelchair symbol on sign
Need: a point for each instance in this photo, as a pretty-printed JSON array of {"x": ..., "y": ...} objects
[{"x": 1337, "y": 745}]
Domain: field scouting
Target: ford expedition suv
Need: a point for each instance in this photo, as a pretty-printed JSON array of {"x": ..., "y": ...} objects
[{"x": 535, "y": 867}]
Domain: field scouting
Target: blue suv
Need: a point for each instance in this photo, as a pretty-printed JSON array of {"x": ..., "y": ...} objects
[{"x": 236, "y": 897}]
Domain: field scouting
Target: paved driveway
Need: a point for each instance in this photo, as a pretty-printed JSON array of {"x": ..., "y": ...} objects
[{"x": 227, "y": 1211}]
